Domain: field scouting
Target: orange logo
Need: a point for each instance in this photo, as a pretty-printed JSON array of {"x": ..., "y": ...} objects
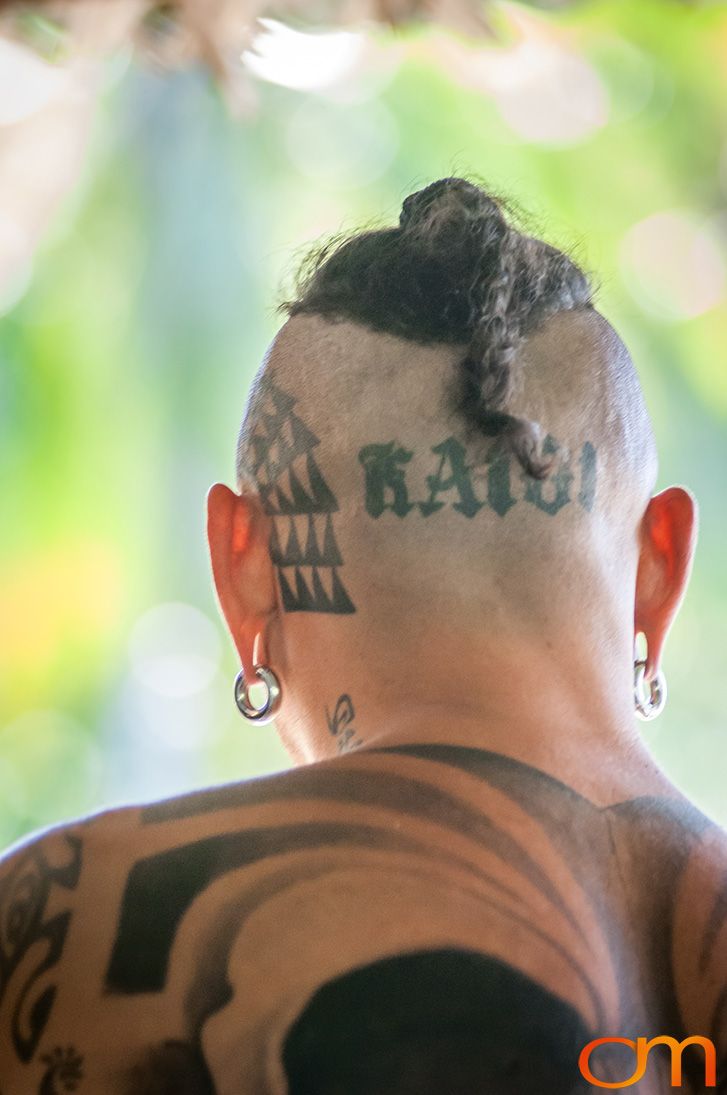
[{"x": 641, "y": 1048}]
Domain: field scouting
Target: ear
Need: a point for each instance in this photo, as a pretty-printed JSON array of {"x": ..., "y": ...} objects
[
  {"x": 238, "y": 534},
  {"x": 668, "y": 541}
]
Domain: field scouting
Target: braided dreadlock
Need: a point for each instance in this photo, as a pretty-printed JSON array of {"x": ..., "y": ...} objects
[{"x": 455, "y": 270}]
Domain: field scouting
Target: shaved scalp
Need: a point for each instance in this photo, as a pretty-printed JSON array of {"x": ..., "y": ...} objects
[
  {"x": 444, "y": 394},
  {"x": 456, "y": 268}
]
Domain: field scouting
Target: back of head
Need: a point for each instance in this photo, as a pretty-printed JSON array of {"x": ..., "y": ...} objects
[
  {"x": 454, "y": 271},
  {"x": 478, "y": 426}
]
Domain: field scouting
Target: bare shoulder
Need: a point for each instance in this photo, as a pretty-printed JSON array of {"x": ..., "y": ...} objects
[
  {"x": 158, "y": 939},
  {"x": 33, "y": 867},
  {"x": 152, "y": 939},
  {"x": 66, "y": 893},
  {"x": 699, "y": 937}
]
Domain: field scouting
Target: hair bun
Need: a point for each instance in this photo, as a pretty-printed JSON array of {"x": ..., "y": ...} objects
[{"x": 451, "y": 193}]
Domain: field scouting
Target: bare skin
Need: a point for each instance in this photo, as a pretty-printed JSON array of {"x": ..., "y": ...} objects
[
  {"x": 476, "y": 798},
  {"x": 181, "y": 944},
  {"x": 580, "y": 728}
]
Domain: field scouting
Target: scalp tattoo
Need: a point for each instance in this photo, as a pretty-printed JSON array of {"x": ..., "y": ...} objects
[
  {"x": 278, "y": 453},
  {"x": 295, "y": 494},
  {"x": 452, "y": 482}
]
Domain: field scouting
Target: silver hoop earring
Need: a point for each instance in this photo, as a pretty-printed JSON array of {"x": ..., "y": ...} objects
[
  {"x": 267, "y": 711},
  {"x": 652, "y": 705}
]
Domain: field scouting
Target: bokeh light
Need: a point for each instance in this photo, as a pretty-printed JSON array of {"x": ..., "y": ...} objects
[
  {"x": 547, "y": 94},
  {"x": 27, "y": 82},
  {"x": 175, "y": 650},
  {"x": 304, "y": 61},
  {"x": 342, "y": 146},
  {"x": 673, "y": 266}
]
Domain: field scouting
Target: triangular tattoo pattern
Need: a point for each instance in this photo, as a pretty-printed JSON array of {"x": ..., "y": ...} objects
[{"x": 300, "y": 502}]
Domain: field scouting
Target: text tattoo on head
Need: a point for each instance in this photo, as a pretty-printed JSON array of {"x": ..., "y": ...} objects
[
  {"x": 295, "y": 494},
  {"x": 386, "y": 486}
]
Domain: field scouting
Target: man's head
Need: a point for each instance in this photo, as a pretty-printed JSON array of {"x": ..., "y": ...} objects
[{"x": 446, "y": 447}]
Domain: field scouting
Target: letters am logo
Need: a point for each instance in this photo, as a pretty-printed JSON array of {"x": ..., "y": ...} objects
[{"x": 642, "y": 1047}]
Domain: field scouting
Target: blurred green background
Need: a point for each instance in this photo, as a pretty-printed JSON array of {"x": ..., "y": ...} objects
[{"x": 125, "y": 362}]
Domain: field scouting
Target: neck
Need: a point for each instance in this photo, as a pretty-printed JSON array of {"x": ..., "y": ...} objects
[
  {"x": 606, "y": 767},
  {"x": 562, "y": 702}
]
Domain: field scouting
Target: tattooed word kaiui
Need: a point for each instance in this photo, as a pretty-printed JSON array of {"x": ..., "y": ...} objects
[{"x": 453, "y": 480}]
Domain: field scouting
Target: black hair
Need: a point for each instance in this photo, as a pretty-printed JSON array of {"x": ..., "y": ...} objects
[{"x": 456, "y": 269}]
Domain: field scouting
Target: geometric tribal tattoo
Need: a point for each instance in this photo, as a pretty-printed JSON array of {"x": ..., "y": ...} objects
[{"x": 295, "y": 494}]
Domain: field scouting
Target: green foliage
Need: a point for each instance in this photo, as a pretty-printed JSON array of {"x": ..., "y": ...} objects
[{"x": 124, "y": 368}]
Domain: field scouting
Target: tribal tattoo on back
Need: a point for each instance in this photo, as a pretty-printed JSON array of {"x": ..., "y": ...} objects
[
  {"x": 527, "y": 852},
  {"x": 231, "y": 881}
]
